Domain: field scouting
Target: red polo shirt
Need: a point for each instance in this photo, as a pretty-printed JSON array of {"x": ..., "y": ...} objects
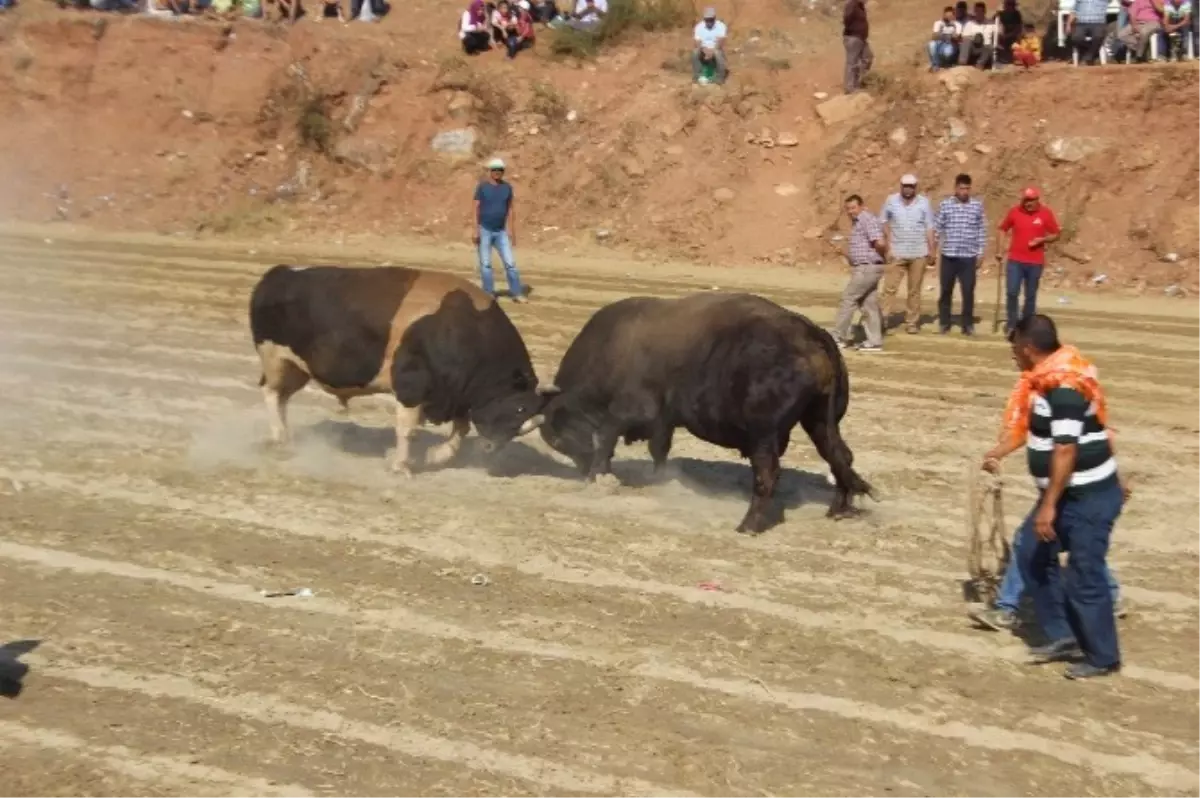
[{"x": 1026, "y": 226}]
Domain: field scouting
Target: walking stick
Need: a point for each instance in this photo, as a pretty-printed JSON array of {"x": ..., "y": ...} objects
[{"x": 1000, "y": 278}]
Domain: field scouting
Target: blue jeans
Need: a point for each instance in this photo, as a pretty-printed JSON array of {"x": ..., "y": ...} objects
[
  {"x": 1017, "y": 273},
  {"x": 499, "y": 240},
  {"x": 1012, "y": 586},
  {"x": 941, "y": 54},
  {"x": 1076, "y": 604}
]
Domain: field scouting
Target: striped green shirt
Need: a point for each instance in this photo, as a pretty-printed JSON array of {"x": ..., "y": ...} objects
[{"x": 1064, "y": 416}]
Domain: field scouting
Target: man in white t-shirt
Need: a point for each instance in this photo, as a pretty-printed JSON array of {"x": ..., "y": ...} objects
[
  {"x": 589, "y": 15},
  {"x": 710, "y": 36},
  {"x": 978, "y": 39},
  {"x": 944, "y": 43}
]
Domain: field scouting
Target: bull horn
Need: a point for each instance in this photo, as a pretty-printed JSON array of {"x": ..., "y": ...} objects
[
  {"x": 531, "y": 424},
  {"x": 548, "y": 390}
]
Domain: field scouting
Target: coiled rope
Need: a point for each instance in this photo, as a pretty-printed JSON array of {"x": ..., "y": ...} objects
[{"x": 988, "y": 551}]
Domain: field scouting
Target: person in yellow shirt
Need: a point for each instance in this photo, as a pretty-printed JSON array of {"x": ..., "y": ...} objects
[{"x": 1028, "y": 50}]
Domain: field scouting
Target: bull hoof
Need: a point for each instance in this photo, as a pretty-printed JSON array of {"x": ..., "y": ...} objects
[
  {"x": 751, "y": 531},
  {"x": 840, "y": 514},
  {"x": 400, "y": 469}
]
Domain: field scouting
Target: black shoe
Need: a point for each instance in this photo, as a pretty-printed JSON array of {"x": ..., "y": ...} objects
[
  {"x": 944, "y": 331},
  {"x": 1084, "y": 670},
  {"x": 1059, "y": 651},
  {"x": 969, "y": 332}
]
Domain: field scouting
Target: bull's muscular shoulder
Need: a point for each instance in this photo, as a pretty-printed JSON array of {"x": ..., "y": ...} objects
[{"x": 344, "y": 321}]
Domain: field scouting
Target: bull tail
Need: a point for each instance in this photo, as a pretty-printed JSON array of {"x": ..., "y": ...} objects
[{"x": 839, "y": 456}]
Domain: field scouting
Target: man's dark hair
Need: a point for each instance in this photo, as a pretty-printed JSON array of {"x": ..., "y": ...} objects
[
  {"x": 948, "y": 9},
  {"x": 1038, "y": 331},
  {"x": 963, "y": 179},
  {"x": 854, "y": 198},
  {"x": 981, "y": 5}
]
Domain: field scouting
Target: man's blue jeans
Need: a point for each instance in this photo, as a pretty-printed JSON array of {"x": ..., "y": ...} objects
[
  {"x": 942, "y": 54},
  {"x": 499, "y": 240},
  {"x": 1012, "y": 586},
  {"x": 1018, "y": 273},
  {"x": 1078, "y": 603}
]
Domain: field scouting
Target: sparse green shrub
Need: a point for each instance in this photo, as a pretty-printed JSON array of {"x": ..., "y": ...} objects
[{"x": 623, "y": 17}]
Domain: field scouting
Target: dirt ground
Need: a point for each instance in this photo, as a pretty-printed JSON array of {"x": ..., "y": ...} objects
[{"x": 143, "y": 513}]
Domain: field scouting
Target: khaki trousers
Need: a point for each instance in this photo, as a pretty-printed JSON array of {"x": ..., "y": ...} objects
[
  {"x": 861, "y": 292},
  {"x": 897, "y": 270}
]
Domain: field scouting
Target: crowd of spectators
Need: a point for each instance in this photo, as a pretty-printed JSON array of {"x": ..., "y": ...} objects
[
  {"x": 289, "y": 10},
  {"x": 963, "y": 37}
]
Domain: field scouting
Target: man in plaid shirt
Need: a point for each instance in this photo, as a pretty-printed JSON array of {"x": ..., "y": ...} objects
[
  {"x": 865, "y": 253},
  {"x": 961, "y": 229}
]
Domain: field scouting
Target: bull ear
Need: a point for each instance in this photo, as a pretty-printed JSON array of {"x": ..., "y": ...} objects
[{"x": 549, "y": 389}]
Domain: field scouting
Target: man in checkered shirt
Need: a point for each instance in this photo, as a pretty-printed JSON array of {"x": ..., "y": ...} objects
[
  {"x": 961, "y": 229},
  {"x": 865, "y": 253}
]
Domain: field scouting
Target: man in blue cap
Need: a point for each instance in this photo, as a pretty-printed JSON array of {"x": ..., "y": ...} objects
[
  {"x": 710, "y": 36},
  {"x": 495, "y": 226}
]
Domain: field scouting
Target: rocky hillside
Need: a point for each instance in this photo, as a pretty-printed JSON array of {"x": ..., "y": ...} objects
[{"x": 326, "y": 128}]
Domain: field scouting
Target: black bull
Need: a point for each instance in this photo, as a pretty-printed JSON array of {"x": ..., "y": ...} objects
[{"x": 735, "y": 370}]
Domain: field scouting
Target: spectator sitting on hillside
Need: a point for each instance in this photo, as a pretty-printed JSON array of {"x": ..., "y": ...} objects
[
  {"x": 943, "y": 45},
  {"x": 525, "y": 33},
  {"x": 978, "y": 39},
  {"x": 291, "y": 10},
  {"x": 1177, "y": 22},
  {"x": 962, "y": 12},
  {"x": 544, "y": 11},
  {"x": 504, "y": 26},
  {"x": 709, "y": 35},
  {"x": 1028, "y": 51},
  {"x": 331, "y": 9},
  {"x": 473, "y": 29},
  {"x": 368, "y": 10},
  {"x": 1010, "y": 28},
  {"x": 1145, "y": 21},
  {"x": 589, "y": 15}
]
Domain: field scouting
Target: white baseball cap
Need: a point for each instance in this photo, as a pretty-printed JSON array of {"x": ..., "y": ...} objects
[
  {"x": 495, "y": 163},
  {"x": 908, "y": 180}
]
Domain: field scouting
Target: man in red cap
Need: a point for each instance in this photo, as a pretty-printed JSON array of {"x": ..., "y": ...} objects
[{"x": 1032, "y": 226}]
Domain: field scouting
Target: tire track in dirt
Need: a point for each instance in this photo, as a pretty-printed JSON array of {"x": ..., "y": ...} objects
[
  {"x": 437, "y": 545},
  {"x": 1155, "y": 772},
  {"x": 177, "y": 774}
]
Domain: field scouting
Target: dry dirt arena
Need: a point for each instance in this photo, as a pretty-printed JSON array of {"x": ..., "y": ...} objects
[{"x": 142, "y": 514}]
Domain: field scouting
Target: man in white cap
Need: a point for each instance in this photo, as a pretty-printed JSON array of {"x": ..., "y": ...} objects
[
  {"x": 908, "y": 230},
  {"x": 494, "y": 224},
  {"x": 710, "y": 36}
]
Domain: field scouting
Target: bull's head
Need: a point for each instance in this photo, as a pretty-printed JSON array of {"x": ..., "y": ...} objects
[
  {"x": 568, "y": 429},
  {"x": 513, "y": 414}
]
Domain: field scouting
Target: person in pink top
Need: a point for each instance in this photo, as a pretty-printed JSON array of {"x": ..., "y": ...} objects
[{"x": 1145, "y": 22}]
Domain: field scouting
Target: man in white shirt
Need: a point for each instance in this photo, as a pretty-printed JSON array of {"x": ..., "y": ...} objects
[
  {"x": 589, "y": 15},
  {"x": 943, "y": 45},
  {"x": 978, "y": 39},
  {"x": 710, "y": 36}
]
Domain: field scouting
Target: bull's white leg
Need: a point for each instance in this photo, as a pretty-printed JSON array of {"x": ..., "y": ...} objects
[
  {"x": 446, "y": 451},
  {"x": 276, "y": 414},
  {"x": 407, "y": 421},
  {"x": 343, "y": 407}
]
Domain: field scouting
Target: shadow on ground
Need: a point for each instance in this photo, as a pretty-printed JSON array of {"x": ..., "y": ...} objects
[
  {"x": 12, "y": 670},
  {"x": 712, "y": 478}
]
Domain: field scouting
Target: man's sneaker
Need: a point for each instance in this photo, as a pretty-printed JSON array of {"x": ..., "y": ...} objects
[
  {"x": 868, "y": 348},
  {"x": 520, "y": 299},
  {"x": 998, "y": 620},
  {"x": 969, "y": 332},
  {"x": 1083, "y": 670},
  {"x": 943, "y": 331},
  {"x": 1058, "y": 651},
  {"x": 841, "y": 344}
]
